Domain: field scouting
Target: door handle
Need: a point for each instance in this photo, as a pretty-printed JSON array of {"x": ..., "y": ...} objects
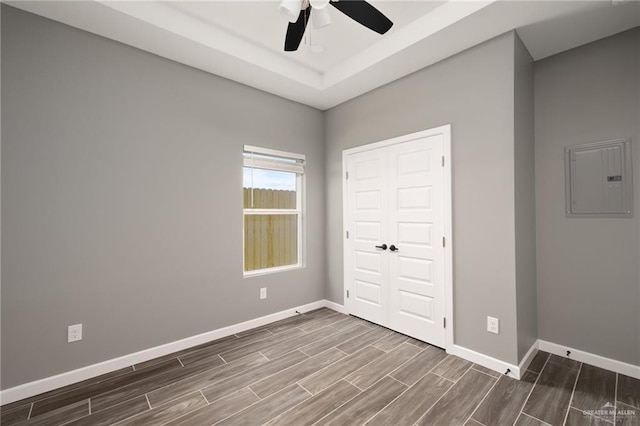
[
  {"x": 383, "y": 247},
  {"x": 394, "y": 248}
]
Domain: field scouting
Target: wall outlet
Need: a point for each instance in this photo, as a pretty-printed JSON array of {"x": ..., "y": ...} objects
[
  {"x": 74, "y": 333},
  {"x": 263, "y": 293},
  {"x": 493, "y": 325}
]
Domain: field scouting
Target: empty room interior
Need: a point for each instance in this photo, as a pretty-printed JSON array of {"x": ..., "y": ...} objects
[{"x": 314, "y": 212}]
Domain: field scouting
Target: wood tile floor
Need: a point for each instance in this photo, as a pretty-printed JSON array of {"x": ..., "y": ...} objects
[{"x": 325, "y": 368}]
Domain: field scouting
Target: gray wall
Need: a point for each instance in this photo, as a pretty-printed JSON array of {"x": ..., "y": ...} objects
[
  {"x": 525, "y": 217},
  {"x": 474, "y": 92},
  {"x": 121, "y": 198},
  {"x": 588, "y": 280}
]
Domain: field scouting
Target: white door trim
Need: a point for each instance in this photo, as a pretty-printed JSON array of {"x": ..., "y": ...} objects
[{"x": 445, "y": 131}]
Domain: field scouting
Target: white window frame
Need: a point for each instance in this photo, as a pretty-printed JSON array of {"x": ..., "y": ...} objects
[{"x": 299, "y": 169}]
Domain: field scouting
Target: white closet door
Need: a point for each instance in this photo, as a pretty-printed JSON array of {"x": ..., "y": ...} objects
[
  {"x": 368, "y": 266},
  {"x": 416, "y": 228},
  {"x": 395, "y": 199}
]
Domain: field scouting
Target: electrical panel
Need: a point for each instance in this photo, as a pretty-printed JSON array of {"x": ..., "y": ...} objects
[{"x": 598, "y": 179}]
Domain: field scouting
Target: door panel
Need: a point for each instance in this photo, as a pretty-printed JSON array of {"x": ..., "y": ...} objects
[
  {"x": 414, "y": 305},
  {"x": 369, "y": 268},
  {"x": 416, "y": 223}
]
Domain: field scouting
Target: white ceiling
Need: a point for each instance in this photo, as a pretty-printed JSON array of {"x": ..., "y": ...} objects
[
  {"x": 260, "y": 22},
  {"x": 243, "y": 40}
]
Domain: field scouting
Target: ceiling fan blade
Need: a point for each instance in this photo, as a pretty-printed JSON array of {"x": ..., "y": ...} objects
[
  {"x": 364, "y": 13},
  {"x": 295, "y": 31}
]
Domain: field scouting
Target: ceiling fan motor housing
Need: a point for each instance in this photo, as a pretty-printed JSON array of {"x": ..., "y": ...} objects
[{"x": 319, "y": 4}]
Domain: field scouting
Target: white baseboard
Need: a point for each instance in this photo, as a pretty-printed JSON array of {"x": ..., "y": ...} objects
[
  {"x": 528, "y": 357},
  {"x": 336, "y": 307},
  {"x": 64, "y": 379},
  {"x": 470, "y": 355},
  {"x": 485, "y": 361},
  {"x": 554, "y": 348},
  {"x": 592, "y": 359}
]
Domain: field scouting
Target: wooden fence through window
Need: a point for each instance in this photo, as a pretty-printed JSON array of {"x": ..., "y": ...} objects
[{"x": 270, "y": 240}]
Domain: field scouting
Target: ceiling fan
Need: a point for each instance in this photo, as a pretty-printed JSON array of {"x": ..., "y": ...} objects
[{"x": 298, "y": 13}]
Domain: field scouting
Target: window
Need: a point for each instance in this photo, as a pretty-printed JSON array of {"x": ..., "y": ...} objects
[{"x": 273, "y": 183}]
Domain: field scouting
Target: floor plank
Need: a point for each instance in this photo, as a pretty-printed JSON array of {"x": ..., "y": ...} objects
[
  {"x": 243, "y": 351},
  {"x": 550, "y": 397},
  {"x": 418, "y": 343},
  {"x": 579, "y": 418},
  {"x": 328, "y": 376},
  {"x": 538, "y": 362},
  {"x": 293, "y": 321},
  {"x": 485, "y": 370},
  {"x": 114, "y": 384},
  {"x": 75, "y": 386},
  {"x": 414, "y": 403},
  {"x": 335, "y": 340},
  {"x": 269, "y": 408},
  {"x": 205, "y": 379},
  {"x": 390, "y": 342},
  {"x": 253, "y": 375},
  {"x": 219, "y": 410},
  {"x": 529, "y": 377},
  {"x": 457, "y": 405},
  {"x": 114, "y": 414},
  {"x": 301, "y": 320},
  {"x": 222, "y": 346},
  {"x": 414, "y": 369},
  {"x": 350, "y": 322},
  {"x": 503, "y": 404},
  {"x": 595, "y": 388},
  {"x": 61, "y": 415},
  {"x": 374, "y": 371},
  {"x": 320, "y": 323},
  {"x": 452, "y": 368},
  {"x": 282, "y": 348},
  {"x": 168, "y": 412},
  {"x": 316, "y": 407},
  {"x": 188, "y": 351},
  {"x": 627, "y": 415},
  {"x": 150, "y": 384},
  {"x": 366, "y": 405},
  {"x": 11, "y": 416},
  {"x": 629, "y": 390},
  {"x": 525, "y": 420},
  {"x": 281, "y": 325},
  {"x": 565, "y": 362},
  {"x": 364, "y": 340},
  {"x": 291, "y": 375}
]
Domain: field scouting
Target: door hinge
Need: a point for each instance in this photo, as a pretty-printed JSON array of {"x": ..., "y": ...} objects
[
  {"x": 443, "y": 242},
  {"x": 347, "y": 294},
  {"x": 444, "y": 322},
  {"x": 347, "y": 235},
  {"x": 346, "y": 175},
  {"x": 443, "y": 161}
]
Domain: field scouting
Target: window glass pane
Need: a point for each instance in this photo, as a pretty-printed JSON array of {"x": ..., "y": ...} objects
[
  {"x": 269, "y": 189},
  {"x": 270, "y": 241}
]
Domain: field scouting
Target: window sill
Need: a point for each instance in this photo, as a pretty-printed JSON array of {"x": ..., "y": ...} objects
[{"x": 260, "y": 272}]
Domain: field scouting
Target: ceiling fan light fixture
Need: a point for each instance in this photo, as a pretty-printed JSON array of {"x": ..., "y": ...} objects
[
  {"x": 320, "y": 18},
  {"x": 290, "y": 9},
  {"x": 319, "y": 4}
]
